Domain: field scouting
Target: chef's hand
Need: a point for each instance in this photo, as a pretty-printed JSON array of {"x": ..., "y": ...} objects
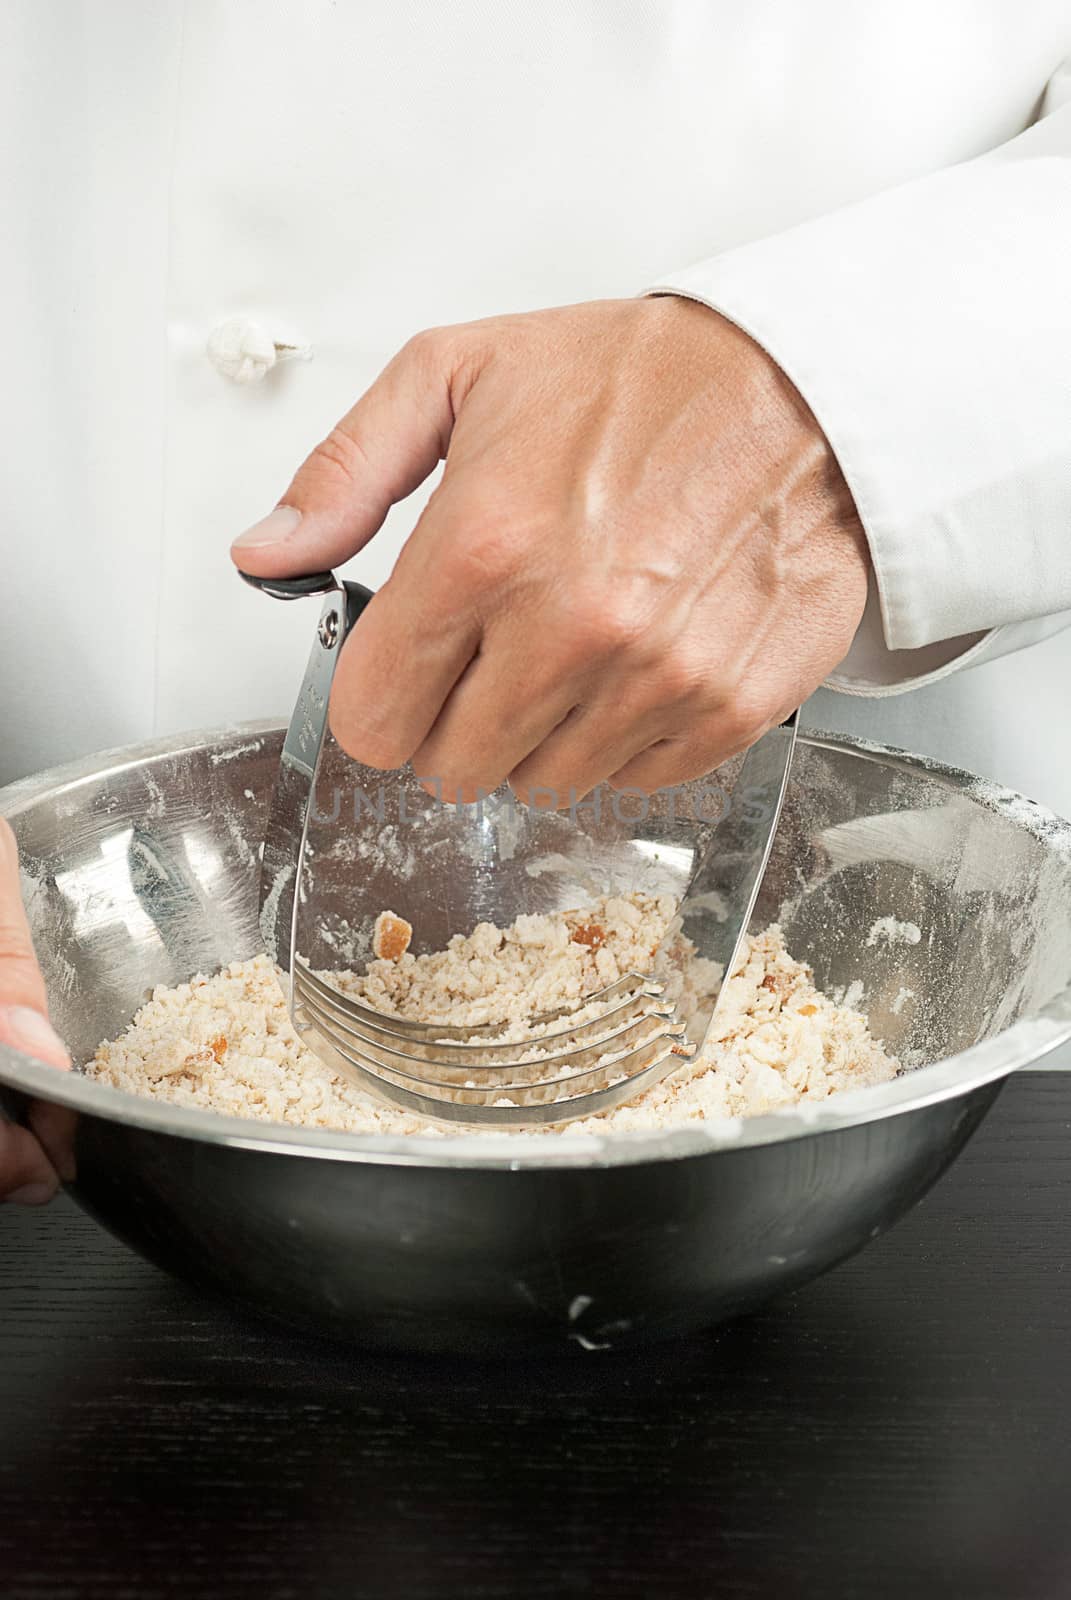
[
  {"x": 641, "y": 556},
  {"x": 26, "y": 1174}
]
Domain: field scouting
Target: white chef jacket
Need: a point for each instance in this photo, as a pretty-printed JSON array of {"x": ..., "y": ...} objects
[{"x": 336, "y": 176}]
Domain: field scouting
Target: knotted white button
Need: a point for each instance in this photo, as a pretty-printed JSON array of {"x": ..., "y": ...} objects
[{"x": 245, "y": 352}]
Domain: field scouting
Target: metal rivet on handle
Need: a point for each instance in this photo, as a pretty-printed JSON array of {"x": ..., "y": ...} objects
[{"x": 329, "y": 630}]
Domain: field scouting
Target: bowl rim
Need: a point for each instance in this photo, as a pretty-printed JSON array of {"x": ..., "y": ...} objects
[{"x": 952, "y": 1078}]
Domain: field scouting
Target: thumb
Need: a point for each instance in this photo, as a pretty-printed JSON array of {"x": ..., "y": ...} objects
[
  {"x": 381, "y": 450},
  {"x": 23, "y": 1007}
]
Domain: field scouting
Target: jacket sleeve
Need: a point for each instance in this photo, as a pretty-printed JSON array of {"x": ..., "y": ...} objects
[{"x": 929, "y": 330}]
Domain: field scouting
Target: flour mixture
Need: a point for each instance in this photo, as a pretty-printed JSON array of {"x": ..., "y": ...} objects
[{"x": 225, "y": 1043}]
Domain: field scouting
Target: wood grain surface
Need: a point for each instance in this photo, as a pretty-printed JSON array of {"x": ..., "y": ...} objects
[{"x": 901, "y": 1428}]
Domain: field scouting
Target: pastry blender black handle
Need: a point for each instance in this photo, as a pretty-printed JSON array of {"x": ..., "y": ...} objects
[{"x": 313, "y": 583}]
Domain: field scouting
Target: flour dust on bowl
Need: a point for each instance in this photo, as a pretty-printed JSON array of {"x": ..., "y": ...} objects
[{"x": 936, "y": 903}]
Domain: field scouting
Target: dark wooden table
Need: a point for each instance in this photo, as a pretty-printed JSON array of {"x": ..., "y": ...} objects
[{"x": 900, "y": 1428}]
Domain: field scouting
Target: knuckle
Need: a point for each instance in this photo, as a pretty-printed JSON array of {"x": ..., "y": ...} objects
[
  {"x": 431, "y": 349},
  {"x": 9, "y": 850},
  {"x": 608, "y": 624},
  {"x": 679, "y": 678},
  {"x": 483, "y": 560},
  {"x": 484, "y": 555},
  {"x": 617, "y": 628},
  {"x": 339, "y": 457}
]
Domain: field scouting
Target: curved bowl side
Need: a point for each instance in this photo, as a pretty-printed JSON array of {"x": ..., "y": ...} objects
[{"x": 494, "y": 1262}]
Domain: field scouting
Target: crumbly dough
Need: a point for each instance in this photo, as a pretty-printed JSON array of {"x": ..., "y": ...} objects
[
  {"x": 537, "y": 965},
  {"x": 225, "y": 1043}
]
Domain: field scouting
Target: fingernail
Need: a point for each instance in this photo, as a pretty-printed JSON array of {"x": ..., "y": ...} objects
[
  {"x": 32, "y": 1194},
  {"x": 276, "y": 526},
  {"x": 28, "y": 1030}
]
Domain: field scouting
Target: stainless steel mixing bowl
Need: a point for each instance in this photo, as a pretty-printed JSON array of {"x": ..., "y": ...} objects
[{"x": 140, "y": 868}]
